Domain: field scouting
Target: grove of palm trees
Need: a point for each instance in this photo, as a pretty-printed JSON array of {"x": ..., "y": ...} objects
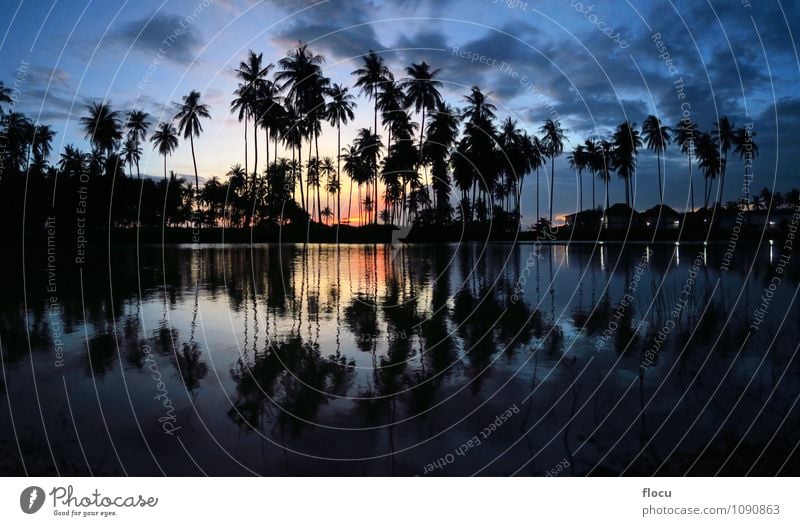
[{"x": 422, "y": 162}]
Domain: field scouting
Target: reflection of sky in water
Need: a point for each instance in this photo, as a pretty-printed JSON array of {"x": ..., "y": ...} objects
[{"x": 443, "y": 352}]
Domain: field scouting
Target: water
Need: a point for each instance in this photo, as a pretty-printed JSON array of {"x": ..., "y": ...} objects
[{"x": 410, "y": 360}]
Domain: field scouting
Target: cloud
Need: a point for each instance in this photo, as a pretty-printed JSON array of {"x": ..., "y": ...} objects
[{"x": 169, "y": 33}]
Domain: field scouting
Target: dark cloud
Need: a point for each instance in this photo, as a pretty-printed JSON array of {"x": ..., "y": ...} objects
[{"x": 178, "y": 39}]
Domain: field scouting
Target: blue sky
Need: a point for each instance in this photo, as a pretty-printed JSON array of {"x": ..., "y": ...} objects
[{"x": 591, "y": 64}]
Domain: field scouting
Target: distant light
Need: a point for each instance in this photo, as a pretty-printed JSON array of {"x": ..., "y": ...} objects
[
  {"x": 648, "y": 223},
  {"x": 601, "y": 242},
  {"x": 676, "y": 222},
  {"x": 677, "y": 243},
  {"x": 772, "y": 223},
  {"x": 771, "y": 242},
  {"x": 705, "y": 243}
]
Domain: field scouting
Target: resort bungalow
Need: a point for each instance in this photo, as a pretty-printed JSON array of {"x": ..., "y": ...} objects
[
  {"x": 621, "y": 217},
  {"x": 661, "y": 217}
]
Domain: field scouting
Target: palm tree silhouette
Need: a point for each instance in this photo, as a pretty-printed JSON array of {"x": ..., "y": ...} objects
[
  {"x": 131, "y": 153},
  {"x": 578, "y": 161},
  {"x": 189, "y": 114},
  {"x": 725, "y": 133},
  {"x": 422, "y": 92},
  {"x": 252, "y": 73},
  {"x": 626, "y": 142},
  {"x": 43, "y": 136},
  {"x": 442, "y": 134},
  {"x": 553, "y": 141},
  {"x": 165, "y": 140},
  {"x": 657, "y": 137},
  {"x": 686, "y": 133},
  {"x": 102, "y": 127},
  {"x": 137, "y": 125},
  {"x": 370, "y": 78},
  {"x": 339, "y": 111},
  {"x": 745, "y": 147},
  {"x": 301, "y": 74},
  {"x": 5, "y": 96},
  {"x": 594, "y": 163},
  {"x": 607, "y": 163},
  {"x": 710, "y": 161}
]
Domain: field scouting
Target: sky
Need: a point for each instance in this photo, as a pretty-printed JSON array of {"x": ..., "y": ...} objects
[{"x": 591, "y": 65}]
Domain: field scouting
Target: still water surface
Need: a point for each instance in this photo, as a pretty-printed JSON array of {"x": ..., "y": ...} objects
[{"x": 411, "y": 360}]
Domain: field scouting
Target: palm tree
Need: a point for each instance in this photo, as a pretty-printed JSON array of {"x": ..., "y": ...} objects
[
  {"x": 131, "y": 153},
  {"x": 726, "y": 136},
  {"x": 5, "y": 96},
  {"x": 442, "y": 134},
  {"x": 553, "y": 141},
  {"x": 626, "y": 142},
  {"x": 578, "y": 161},
  {"x": 43, "y": 136},
  {"x": 102, "y": 127},
  {"x": 353, "y": 167},
  {"x": 301, "y": 74},
  {"x": 745, "y": 147},
  {"x": 422, "y": 92},
  {"x": 538, "y": 159},
  {"x": 252, "y": 73},
  {"x": 339, "y": 111},
  {"x": 606, "y": 162},
  {"x": 657, "y": 137},
  {"x": 371, "y": 76},
  {"x": 710, "y": 161},
  {"x": 165, "y": 140},
  {"x": 686, "y": 133},
  {"x": 137, "y": 125},
  {"x": 190, "y": 111},
  {"x": 594, "y": 162}
]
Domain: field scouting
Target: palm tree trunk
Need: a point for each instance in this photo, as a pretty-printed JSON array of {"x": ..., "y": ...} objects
[
  {"x": 580, "y": 182},
  {"x": 537, "y": 195},
  {"x": 319, "y": 178},
  {"x": 691, "y": 184},
  {"x": 552, "y": 182},
  {"x": 165, "y": 167},
  {"x": 194, "y": 162},
  {"x": 594, "y": 206},
  {"x": 255, "y": 151},
  {"x": 339, "y": 172},
  {"x": 246, "y": 124},
  {"x": 660, "y": 184}
]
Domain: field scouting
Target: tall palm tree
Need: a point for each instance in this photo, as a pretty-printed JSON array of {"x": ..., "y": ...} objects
[
  {"x": 710, "y": 161},
  {"x": 594, "y": 162},
  {"x": 137, "y": 125},
  {"x": 353, "y": 167},
  {"x": 190, "y": 111},
  {"x": 441, "y": 136},
  {"x": 339, "y": 111},
  {"x": 606, "y": 161},
  {"x": 102, "y": 127},
  {"x": 657, "y": 137},
  {"x": 725, "y": 133},
  {"x": 370, "y": 77},
  {"x": 745, "y": 147},
  {"x": 686, "y": 133},
  {"x": 422, "y": 92},
  {"x": 251, "y": 72},
  {"x": 538, "y": 159},
  {"x": 627, "y": 141},
  {"x": 165, "y": 140},
  {"x": 578, "y": 161},
  {"x": 553, "y": 140},
  {"x": 301, "y": 75}
]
